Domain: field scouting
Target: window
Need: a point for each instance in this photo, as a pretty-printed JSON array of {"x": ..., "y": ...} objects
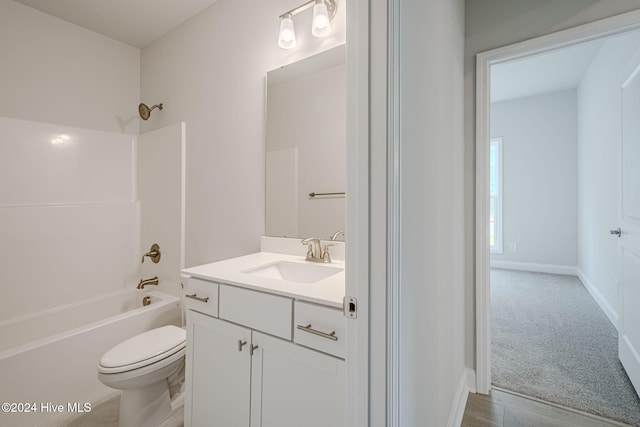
[{"x": 495, "y": 195}]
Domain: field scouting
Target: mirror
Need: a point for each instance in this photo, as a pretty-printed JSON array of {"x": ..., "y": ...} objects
[{"x": 305, "y": 147}]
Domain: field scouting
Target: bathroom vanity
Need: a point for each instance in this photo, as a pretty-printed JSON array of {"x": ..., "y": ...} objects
[
  {"x": 265, "y": 342},
  {"x": 266, "y": 332}
]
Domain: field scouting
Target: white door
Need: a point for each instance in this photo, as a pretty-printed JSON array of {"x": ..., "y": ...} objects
[{"x": 629, "y": 232}]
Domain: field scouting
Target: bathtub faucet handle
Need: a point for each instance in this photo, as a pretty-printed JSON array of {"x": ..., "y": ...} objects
[{"x": 154, "y": 253}]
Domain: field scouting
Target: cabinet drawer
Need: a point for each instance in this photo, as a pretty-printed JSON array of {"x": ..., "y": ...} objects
[
  {"x": 201, "y": 296},
  {"x": 263, "y": 312},
  {"x": 321, "y": 328}
]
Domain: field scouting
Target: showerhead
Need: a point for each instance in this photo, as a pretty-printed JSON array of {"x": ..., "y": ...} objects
[{"x": 145, "y": 112}]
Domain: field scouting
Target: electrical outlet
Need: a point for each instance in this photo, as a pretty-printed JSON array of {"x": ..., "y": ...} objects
[{"x": 513, "y": 247}]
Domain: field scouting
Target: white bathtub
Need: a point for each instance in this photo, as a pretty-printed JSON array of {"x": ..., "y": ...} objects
[{"x": 48, "y": 361}]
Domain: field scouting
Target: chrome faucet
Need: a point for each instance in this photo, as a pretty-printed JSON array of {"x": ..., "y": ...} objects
[
  {"x": 146, "y": 282},
  {"x": 315, "y": 252},
  {"x": 335, "y": 235}
]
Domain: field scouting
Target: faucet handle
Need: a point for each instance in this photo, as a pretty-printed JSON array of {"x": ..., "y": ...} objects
[
  {"x": 314, "y": 251},
  {"x": 308, "y": 241},
  {"x": 154, "y": 254},
  {"x": 325, "y": 253}
]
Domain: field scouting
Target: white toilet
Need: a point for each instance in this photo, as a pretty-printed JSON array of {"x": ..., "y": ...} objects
[{"x": 147, "y": 368}]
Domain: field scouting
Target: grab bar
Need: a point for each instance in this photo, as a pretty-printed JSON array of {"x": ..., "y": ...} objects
[{"x": 326, "y": 194}]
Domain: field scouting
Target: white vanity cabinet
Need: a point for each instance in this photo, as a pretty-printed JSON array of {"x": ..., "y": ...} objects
[
  {"x": 246, "y": 367},
  {"x": 218, "y": 372},
  {"x": 293, "y": 386}
]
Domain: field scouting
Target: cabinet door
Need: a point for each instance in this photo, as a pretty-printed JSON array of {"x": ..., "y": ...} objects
[
  {"x": 217, "y": 373},
  {"x": 293, "y": 386}
]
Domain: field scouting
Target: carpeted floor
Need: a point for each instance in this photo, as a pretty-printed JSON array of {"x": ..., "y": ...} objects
[{"x": 550, "y": 340}]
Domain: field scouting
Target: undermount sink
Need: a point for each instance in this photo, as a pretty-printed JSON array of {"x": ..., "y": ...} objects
[{"x": 294, "y": 271}]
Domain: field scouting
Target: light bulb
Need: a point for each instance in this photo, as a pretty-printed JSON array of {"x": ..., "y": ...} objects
[
  {"x": 321, "y": 25},
  {"x": 287, "y": 37}
]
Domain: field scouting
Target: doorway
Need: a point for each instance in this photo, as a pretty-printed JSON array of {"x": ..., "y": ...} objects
[{"x": 487, "y": 65}]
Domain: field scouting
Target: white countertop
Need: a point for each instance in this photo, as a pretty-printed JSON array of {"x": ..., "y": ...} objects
[{"x": 329, "y": 291}]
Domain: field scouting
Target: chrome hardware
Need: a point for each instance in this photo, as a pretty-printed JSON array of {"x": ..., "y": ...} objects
[
  {"x": 252, "y": 349},
  {"x": 330, "y": 336},
  {"x": 147, "y": 282},
  {"x": 312, "y": 195},
  {"x": 616, "y": 232},
  {"x": 154, "y": 254},
  {"x": 315, "y": 252},
  {"x": 325, "y": 254},
  {"x": 241, "y": 344},
  {"x": 335, "y": 235},
  {"x": 146, "y": 301},
  {"x": 350, "y": 307},
  {"x": 197, "y": 298},
  {"x": 331, "y": 8}
]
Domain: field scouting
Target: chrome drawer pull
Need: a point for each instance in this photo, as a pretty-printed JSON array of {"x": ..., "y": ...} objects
[
  {"x": 252, "y": 349},
  {"x": 197, "y": 298},
  {"x": 331, "y": 335}
]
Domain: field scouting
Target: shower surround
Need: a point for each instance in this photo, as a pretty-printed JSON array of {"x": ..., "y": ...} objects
[{"x": 68, "y": 215}]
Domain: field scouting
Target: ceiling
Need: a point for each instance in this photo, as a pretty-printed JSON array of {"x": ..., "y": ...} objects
[
  {"x": 134, "y": 22},
  {"x": 559, "y": 69}
]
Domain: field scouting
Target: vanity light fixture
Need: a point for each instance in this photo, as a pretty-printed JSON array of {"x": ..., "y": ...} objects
[
  {"x": 287, "y": 37},
  {"x": 321, "y": 25},
  {"x": 323, "y": 13}
]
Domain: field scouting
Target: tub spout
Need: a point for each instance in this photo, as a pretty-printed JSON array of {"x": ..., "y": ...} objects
[{"x": 145, "y": 282}]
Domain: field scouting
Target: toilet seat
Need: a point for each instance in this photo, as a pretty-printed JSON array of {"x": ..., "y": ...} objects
[{"x": 143, "y": 350}]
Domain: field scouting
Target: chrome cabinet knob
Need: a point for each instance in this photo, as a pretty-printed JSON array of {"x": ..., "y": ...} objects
[{"x": 616, "y": 232}]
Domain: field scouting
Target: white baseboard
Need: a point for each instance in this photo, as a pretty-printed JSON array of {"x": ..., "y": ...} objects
[
  {"x": 466, "y": 385},
  {"x": 471, "y": 380},
  {"x": 597, "y": 296},
  {"x": 532, "y": 266}
]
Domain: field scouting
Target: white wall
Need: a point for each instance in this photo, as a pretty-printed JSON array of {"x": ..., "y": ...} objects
[
  {"x": 209, "y": 73},
  {"x": 160, "y": 167},
  {"x": 431, "y": 337},
  {"x": 599, "y": 131},
  {"x": 540, "y": 203},
  {"x": 56, "y": 72},
  {"x": 490, "y": 24}
]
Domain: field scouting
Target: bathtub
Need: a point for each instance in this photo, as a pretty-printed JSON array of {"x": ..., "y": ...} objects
[{"x": 48, "y": 361}]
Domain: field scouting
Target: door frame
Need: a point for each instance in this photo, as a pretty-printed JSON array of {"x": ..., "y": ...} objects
[
  {"x": 361, "y": 90},
  {"x": 484, "y": 61}
]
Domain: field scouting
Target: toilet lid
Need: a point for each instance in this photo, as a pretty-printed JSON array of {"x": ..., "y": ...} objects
[{"x": 147, "y": 347}]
